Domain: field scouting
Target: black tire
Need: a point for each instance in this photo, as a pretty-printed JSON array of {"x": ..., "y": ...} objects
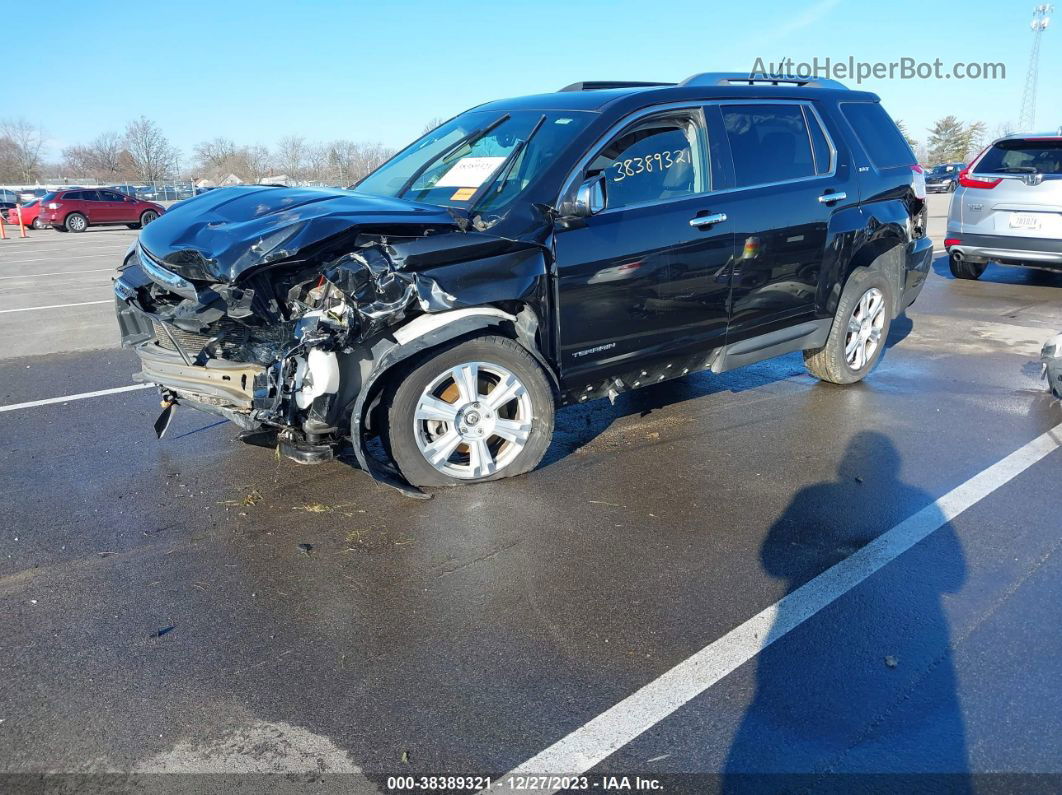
[
  {"x": 830, "y": 363},
  {"x": 36, "y": 224},
  {"x": 147, "y": 217},
  {"x": 75, "y": 222},
  {"x": 134, "y": 226},
  {"x": 401, "y": 399},
  {"x": 962, "y": 269}
]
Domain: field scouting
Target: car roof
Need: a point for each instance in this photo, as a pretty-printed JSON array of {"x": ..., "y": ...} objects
[{"x": 597, "y": 96}]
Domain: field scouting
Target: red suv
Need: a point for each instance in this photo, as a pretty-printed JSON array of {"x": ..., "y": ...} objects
[{"x": 77, "y": 209}]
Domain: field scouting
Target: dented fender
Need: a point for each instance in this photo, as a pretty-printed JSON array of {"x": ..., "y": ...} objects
[{"x": 422, "y": 334}]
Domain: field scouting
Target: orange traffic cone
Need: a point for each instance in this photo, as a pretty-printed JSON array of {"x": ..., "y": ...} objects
[
  {"x": 3, "y": 234},
  {"x": 21, "y": 226}
]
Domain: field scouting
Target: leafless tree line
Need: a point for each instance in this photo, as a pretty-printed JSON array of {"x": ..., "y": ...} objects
[{"x": 142, "y": 152}]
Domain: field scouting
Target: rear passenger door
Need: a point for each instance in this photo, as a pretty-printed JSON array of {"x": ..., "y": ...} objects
[
  {"x": 91, "y": 207},
  {"x": 790, "y": 177}
]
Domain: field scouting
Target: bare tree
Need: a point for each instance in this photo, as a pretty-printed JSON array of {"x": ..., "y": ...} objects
[
  {"x": 291, "y": 156},
  {"x": 105, "y": 157},
  {"x": 154, "y": 158},
  {"x": 23, "y": 144},
  {"x": 211, "y": 156}
]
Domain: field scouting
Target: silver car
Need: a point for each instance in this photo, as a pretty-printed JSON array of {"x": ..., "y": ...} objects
[{"x": 1008, "y": 207}]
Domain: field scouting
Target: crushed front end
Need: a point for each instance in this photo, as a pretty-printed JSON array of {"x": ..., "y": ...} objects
[{"x": 267, "y": 357}]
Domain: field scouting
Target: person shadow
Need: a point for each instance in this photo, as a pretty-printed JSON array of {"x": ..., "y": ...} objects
[{"x": 860, "y": 697}]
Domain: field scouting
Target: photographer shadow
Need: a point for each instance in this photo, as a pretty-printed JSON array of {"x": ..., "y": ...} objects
[{"x": 862, "y": 696}]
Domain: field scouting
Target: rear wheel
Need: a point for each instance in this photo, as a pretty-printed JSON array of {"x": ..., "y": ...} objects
[
  {"x": 37, "y": 223},
  {"x": 480, "y": 410},
  {"x": 76, "y": 222},
  {"x": 961, "y": 269},
  {"x": 860, "y": 326}
]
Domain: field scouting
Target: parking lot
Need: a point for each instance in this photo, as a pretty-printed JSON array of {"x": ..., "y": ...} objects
[{"x": 197, "y": 605}]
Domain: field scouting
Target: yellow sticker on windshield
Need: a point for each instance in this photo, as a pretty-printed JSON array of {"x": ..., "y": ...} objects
[{"x": 463, "y": 194}]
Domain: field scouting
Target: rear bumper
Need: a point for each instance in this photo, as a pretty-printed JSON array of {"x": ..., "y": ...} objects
[{"x": 1007, "y": 250}]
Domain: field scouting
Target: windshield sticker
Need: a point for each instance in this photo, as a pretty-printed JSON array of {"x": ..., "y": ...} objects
[
  {"x": 658, "y": 161},
  {"x": 469, "y": 172},
  {"x": 463, "y": 194}
]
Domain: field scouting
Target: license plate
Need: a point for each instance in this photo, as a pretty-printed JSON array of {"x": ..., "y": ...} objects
[{"x": 1024, "y": 221}]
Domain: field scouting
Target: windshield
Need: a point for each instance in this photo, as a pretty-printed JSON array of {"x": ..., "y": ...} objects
[
  {"x": 1032, "y": 156},
  {"x": 940, "y": 171},
  {"x": 479, "y": 160}
]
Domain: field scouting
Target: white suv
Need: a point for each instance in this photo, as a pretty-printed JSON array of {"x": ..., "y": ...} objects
[{"x": 1008, "y": 207}]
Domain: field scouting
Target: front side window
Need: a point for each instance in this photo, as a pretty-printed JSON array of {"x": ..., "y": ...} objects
[
  {"x": 657, "y": 159},
  {"x": 480, "y": 160},
  {"x": 1023, "y": 156},
  {"x": 769, "y": 143}
]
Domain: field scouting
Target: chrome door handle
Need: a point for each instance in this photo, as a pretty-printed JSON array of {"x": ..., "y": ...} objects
[
  {"x": 708, "y": 220},
  {"x": 826, "y": 198}
]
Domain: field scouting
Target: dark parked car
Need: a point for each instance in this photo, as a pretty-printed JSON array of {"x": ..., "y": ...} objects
[
  {"x": 532, "y": 252},
  {"x": 77, "y": 210},
  {"x": 944, "y": 178}
]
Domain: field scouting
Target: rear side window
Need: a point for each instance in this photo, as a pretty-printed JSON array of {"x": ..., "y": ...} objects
[
  {"x": 90, "y": 196},
  {"x": 1022, "y": 157},
  {"x": 74, "y": 195},
  {"x": 769, "y": 143},
  {"x": 879, "y": 134}
]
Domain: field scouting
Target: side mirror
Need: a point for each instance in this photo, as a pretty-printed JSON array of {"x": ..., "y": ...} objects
[{"x": 589, "y": 199}]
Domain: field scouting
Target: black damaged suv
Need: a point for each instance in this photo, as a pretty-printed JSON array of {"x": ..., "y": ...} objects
[{"x": 528, "y": 253}]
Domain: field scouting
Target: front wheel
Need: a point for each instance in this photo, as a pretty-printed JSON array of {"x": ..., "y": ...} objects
[
  {"x": 860, "y": 327},
  {"x": 480, "y": 410},
  {"x": 147, "y": 217},
  {"x": 37, "y": 224}
]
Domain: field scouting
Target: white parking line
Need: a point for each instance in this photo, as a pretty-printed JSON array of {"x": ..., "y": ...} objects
[
  {"x": 67, "y": 398},
  {"x": 57, "y": 273},
  {"x": 53, "y": 257},
  {"x": 54, "y": 306},
  {"x": 593, "y": 742}
]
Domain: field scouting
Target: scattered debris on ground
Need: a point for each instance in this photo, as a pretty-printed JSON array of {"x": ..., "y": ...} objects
[{"x": 305, "y": 549}]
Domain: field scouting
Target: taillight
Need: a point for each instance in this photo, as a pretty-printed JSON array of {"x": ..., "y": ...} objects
[
  {"x": 951, "y": 241},
  {"x": 974, "y": 182},
  {"x": 918, "y": 169},
  {"x": 53, "y": 205}
]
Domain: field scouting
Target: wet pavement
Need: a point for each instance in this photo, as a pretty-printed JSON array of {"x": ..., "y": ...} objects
[{"x": 196, "y": 605}]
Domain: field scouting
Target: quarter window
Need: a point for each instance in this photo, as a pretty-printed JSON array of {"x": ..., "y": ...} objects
[
  {"x": 879, "y": 135},
  {"x": 657, "y": 159},
  {"x": 769, "y": 143}
]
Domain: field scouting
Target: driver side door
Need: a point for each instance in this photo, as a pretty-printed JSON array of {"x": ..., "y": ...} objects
[{"x": 644, "y": 278}]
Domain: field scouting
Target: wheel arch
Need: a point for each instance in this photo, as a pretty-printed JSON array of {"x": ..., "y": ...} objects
[
  {"x": 884, "y": 253},
  {"x": 385, "y": 357}
]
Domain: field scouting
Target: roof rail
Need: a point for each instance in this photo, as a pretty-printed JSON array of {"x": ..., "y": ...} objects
[
  {"x": 742, "y": 78},
  {"x": 598, "y": 85}
]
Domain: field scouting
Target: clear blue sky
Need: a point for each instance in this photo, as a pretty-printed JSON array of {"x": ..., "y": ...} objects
[{"x": 256, "y": 71}]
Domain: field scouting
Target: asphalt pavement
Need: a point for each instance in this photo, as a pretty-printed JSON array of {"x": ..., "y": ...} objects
[{"x": 743, "y": 582}]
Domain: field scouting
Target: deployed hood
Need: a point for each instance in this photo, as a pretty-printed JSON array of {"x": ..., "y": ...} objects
[{"x": 220, "y": 234}]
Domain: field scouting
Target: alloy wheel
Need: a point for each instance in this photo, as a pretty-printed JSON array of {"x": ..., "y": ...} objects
[
  {"x": 473, "y": 420},
  {"x": 864, "y": 329}
]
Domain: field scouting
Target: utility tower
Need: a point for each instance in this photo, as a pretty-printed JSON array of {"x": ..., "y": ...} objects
[{"x": 1040, "y": 21}]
